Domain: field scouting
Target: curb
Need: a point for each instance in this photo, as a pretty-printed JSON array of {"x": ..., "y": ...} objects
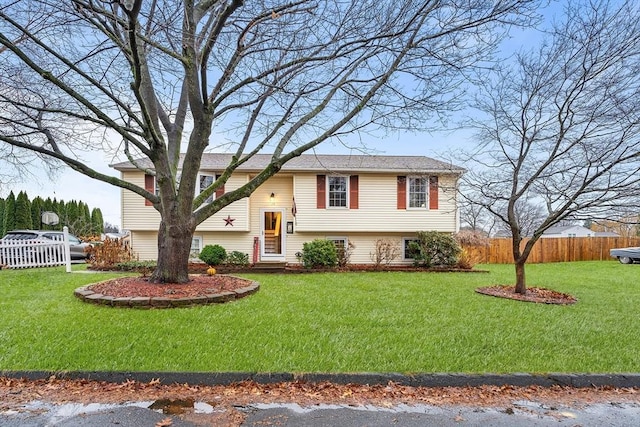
[{"x": 626, "y": 380}]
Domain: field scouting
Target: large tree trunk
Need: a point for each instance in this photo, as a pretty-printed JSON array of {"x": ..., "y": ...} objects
[{"x": 174, "y": 246}]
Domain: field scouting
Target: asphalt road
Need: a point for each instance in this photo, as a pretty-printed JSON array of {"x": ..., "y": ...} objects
[{"x": 139, "y": 414}]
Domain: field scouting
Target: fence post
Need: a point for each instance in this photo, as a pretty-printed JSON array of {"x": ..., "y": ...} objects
[{"x": 67, "y": 248}]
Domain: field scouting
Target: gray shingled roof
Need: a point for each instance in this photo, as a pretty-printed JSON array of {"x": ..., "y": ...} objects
[{"x": 325, "y": 163}]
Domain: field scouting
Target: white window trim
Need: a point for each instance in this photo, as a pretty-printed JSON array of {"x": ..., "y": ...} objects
[
  {"x": 328, "y": 194},
  {"x": 211, "y": 198},
  {"x": 156, "y": 189},
  {"x": 199, "y": 240},
  {"x": 343, "y": 238},
  {"x": 426, "y": 203},
  {"x": 404, "y": 246}
]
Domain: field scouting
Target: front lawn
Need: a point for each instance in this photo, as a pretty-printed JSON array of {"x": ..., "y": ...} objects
[{"x": 335, "y": 322}]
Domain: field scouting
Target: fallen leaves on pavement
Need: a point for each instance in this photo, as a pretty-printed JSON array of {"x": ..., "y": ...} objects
[{"x": 14, "y": 392}]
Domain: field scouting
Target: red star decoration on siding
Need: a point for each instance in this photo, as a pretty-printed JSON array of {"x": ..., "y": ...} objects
[{"x": 228, "y": 220}]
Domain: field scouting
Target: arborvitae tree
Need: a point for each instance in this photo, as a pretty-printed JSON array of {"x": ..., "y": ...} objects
[
  {"x": 71, "y": 210},
  {"x": 97, "y": 222},
  {"x": 2, "y": 202},
  {"x": 23, "y": 212},
  {"x": 81, "y": 225},
  {"x": 61, "y": 211},
  {"x": 10, "y": 213},
  {"x": 36, "y": 212},
  {"x": 85, "y": 214}
]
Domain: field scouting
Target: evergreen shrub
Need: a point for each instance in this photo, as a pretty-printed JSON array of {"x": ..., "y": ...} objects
[
  {"x": 319, "y": 253},
  {"x": 213, "y": 254},
  {"x": 433, "y": 248}
]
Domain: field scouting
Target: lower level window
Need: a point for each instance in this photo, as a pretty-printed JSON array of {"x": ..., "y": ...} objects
[
  {"x": 196, "y": 247},
  {"x": 341, "y": 245},
  {"x": 407, "y": 253}
]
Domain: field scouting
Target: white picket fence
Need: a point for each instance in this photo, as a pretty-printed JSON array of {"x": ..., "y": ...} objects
[{"x": 41, "y": 253}]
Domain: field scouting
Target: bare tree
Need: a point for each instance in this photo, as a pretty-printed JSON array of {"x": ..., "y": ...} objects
[
  {"x": 171, "y": 76},
  {"x": 16, "y": 163},
  {"x": 473, "y": 216},
  {"x": 562, "y": 127},
  {"x": 529, "y": 216}
]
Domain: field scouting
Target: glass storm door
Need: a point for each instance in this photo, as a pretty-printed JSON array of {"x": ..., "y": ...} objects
[{"x": 272, "y": 241}]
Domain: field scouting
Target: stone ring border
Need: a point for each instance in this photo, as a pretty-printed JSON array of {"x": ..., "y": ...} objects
[{"x": 87, "y": 295}]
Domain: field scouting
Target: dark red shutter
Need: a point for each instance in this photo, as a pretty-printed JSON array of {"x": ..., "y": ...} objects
[
  {"x": 321, "y": 191},
  {"x": 220, "y": 190},
  {"x": 402, "y": 192},
  {"x": 433, "y": 192},
  {"x": 353, "y": 192},
  {"x": 149, "y": 185}
]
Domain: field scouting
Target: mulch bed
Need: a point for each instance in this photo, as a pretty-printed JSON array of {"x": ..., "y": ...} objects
[
  {"x": 199, "y": 285},
  {"x": 537, "y": 295}
]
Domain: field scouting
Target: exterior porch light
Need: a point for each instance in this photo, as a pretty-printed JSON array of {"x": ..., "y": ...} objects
[{"x": 272, "y": 198}]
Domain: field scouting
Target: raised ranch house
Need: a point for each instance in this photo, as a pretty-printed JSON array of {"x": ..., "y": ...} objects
[{"x": 351, "y": 200}]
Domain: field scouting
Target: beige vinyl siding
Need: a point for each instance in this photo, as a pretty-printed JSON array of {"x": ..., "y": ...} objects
[
  {"x": 238, "y": 211},
  {"x": 377, "y": 208},
  {"x": 137, "y": 216},
  {"x": 145, "y": 244},
  {"x": 282, "y": 188},
  {"x": 365, "y": 244}
]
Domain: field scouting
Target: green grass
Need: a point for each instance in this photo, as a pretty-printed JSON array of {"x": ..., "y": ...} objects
[{"x": 335, "y": 322}]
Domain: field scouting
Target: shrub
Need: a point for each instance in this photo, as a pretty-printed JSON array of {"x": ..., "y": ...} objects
[
  {"x": 385, "y": 252},
  {"x": 237, "y": 258},
  {"x": 319, "y": 253},
  {"x": 471, "y": 238},
  {"x": 143, "y": 267},
  {"x": 474, "y": 244},
  {"x": 434, "y": 249},
  {"x": 213, "y": 254},
  {"x": 465, "y": 260},
  {"x": 344, "y": 254},
  {"x": 109, "y": 253},
  {"x": 135, "y": 265}
]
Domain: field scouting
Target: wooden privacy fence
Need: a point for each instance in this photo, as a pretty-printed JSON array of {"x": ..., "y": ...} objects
[{"x": 565, "y": 249}]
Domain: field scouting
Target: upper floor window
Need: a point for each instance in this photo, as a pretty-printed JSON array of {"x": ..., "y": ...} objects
[
  {"x": 338, "y": 190},
  {"x": 417, "y": 192},
  {"x": 205, "y": 181}
]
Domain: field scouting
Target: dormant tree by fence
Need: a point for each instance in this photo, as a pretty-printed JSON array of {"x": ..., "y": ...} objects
[
  {"x": 170, "y": 76},
  {"x": 562, "y": 128}
]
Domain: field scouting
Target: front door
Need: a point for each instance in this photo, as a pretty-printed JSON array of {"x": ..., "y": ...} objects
[{"x": 272, "y": 242}]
